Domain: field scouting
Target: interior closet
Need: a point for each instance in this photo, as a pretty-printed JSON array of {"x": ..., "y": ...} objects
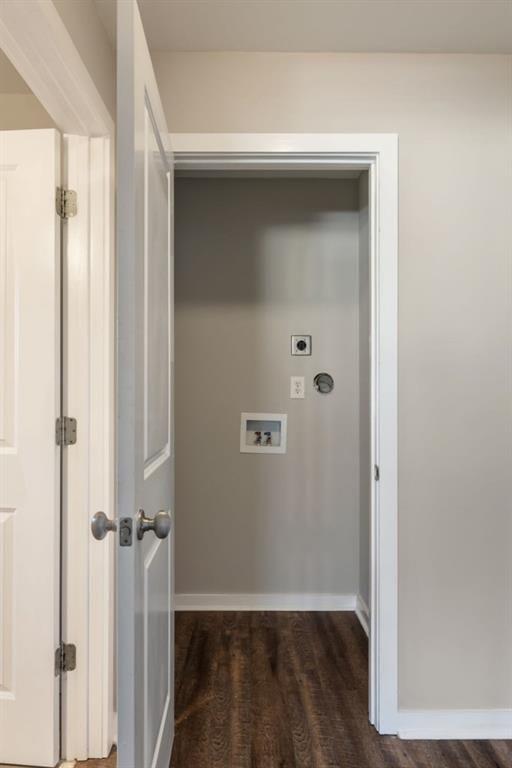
[{"x": 259, "y": 259}]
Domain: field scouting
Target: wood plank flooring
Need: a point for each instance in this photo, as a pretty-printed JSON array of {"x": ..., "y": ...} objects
[
  {"x": 104, "y": 762},
  {"x": 283, "y": 690}
]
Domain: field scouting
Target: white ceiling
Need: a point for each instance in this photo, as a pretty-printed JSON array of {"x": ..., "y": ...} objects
[{"x": 423, "y": 26}]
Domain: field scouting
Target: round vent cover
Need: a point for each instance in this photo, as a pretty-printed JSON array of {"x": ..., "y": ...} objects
[{"x": 323, "y": 383}]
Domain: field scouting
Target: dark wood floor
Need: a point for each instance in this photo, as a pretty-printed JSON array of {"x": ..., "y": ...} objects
[
  {"x": 276, "y": 690},
  {"x": 105, "y": 762}
]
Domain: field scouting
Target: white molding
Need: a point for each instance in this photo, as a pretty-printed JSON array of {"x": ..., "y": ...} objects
[
  {"x": 378, "y": 153},
  {"x": 101, "y": 449},
  {"x": 75, "y": 478},
  {"x": 384, "y": 442},
  {"x": 265, "y": 602},
  {"x": 255, "y": 150},
  {"x": 363, "y": 614},
  {"x": 41, "y": 49},
  {"x": 88, "y": 597},
  {"x": 455, "y": 724}
]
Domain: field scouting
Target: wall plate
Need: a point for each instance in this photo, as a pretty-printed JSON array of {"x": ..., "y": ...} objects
[
  {"x": 263, "y": 433},
  {"x": 297, "y": 387},
  {"x": 301, "y": 345}
]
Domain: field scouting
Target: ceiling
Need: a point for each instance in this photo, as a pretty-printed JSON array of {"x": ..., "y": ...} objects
[{"x": 422, "y": 26}]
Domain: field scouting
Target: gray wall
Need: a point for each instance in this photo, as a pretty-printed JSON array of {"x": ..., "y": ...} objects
[
  {"x": 453, "y": 114},
  {"x": 257, "y": 260},
  {"x": 365, "y": 474}
]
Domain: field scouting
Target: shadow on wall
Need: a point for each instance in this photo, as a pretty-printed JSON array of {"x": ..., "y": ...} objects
[
  {"x": 269, "y": 240},
  {"x": 258, "y": 260}
]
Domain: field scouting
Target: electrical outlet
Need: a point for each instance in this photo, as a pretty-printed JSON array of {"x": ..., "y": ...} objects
[
  {"x": 301, "y": 345},
  {"x": 297, "y": 387}
]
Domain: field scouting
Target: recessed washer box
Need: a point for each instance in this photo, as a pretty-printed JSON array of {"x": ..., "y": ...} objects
[{"x": 263, "y": 433}]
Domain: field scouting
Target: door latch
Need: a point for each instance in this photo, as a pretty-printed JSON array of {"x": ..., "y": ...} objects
[{"x": 125, "y": 532}]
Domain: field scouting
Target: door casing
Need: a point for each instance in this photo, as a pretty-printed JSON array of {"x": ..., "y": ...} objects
[
  {"x": 328, "y": 153},
  {"x": 38, "y": 43}
]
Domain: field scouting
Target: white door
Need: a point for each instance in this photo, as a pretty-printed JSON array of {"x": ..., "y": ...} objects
[
  {"x": 145, "y": 420},
  {"x": 29, "y": 457}
]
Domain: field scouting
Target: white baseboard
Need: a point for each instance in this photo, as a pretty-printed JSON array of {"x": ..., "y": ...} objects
[
  {"x": 455, "y": 724},
  {"x": 267, "y": 602},
  {"x": 363, "y": 614}
]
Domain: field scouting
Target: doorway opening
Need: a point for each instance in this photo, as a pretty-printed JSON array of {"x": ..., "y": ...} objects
[
  {"x": 258, "y": 261},
  {"x": 273, "y": 299},
  {"x": 271, "y": 246}
]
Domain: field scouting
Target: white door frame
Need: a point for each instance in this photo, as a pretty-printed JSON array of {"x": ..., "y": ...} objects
[
  {"x": 378, "y": 153},
  {"x": 42, "y": 50},
  {"x": 88, "y": 727}
]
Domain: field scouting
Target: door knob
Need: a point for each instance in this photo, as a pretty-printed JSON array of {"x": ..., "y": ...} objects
[
  {"x": 101, "y": 525},
  {"x": 160, "y": 524}
]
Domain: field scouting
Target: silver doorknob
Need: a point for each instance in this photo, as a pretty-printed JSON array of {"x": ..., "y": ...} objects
[
  {"x": 160, "y": 524},
  {"x": 101, "y": 525}
]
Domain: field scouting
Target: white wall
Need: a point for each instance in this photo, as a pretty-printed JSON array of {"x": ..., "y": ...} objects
[
  {"x": 19, "y": 108},
  {"x": 93, "y": 44},
  {"x": 256, "y": 261},
  {"x": 454, "y": 117}
]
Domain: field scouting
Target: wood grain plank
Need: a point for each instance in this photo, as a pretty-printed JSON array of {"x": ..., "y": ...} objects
[{"x": 290, "y": 690}]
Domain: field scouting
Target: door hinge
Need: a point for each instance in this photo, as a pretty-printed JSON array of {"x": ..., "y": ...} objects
[
  {"x": 376, "y": 472},
  {"x": 65, "y": 658},
  {"x": 66, "y": 203},
  {"x": 65, "y": 430}
]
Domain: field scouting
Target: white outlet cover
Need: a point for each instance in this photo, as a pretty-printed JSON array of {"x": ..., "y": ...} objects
[{"x": 297, "y": 387}]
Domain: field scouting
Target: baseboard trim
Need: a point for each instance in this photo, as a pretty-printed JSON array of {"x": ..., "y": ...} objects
[
  {"x": 363, "y": 614},
  {"x": 455, "y": 724},
  {"x": 265, "y": 602}
]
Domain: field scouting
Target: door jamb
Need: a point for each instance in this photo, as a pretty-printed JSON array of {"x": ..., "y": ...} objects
[
  {"x": 88, "y": 565},
  {"x": 378, "y": 153},
  {"x": 43, "y": 52}
]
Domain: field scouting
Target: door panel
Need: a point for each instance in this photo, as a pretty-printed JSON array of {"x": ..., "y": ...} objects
[
  {"x": 157, "y": 296},
  {"x": 29, "y": 457},
  {"x": 157, "y": 635},
  {"x": 145, "y": 460}
]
